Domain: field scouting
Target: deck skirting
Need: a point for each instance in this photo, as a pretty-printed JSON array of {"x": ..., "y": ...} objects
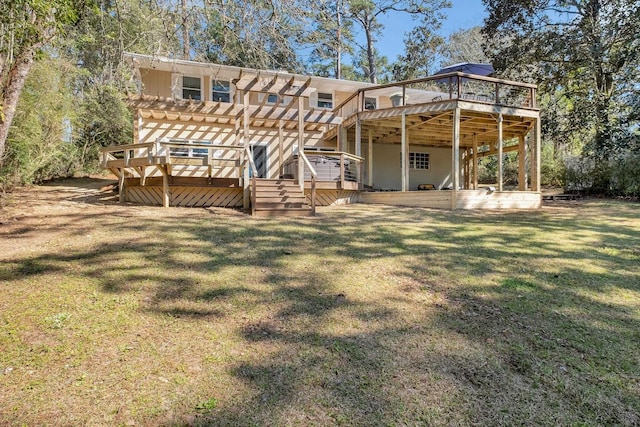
[
  {"x": 333, "y": 197},
  {"x": 465, "y": 199},
  {"x": 186, "y": 196}
]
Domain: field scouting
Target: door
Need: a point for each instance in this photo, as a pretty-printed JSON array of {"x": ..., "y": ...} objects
[{"x": 260, "y": 159}]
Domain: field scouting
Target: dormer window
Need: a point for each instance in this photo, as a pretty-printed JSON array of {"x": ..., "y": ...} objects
[
  {"x": 192, "y": 88},
  {"x": 220, "y": 90}
]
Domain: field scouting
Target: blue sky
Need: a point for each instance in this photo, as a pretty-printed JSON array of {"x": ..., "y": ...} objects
[{"x": 462, "y": 15}]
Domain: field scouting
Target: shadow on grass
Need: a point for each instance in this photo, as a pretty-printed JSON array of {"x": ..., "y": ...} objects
[{"x": 501, "y": 336}]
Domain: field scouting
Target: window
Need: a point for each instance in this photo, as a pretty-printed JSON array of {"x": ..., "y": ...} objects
[
  {"x": 272, "y": 99},
  {"x": 191, "y": 88},
  {"x": 417, "y": 160},
  {"x": 220, "y": 90},
  {"x": 187, "y": 151},
  {"x": 370, "y": 103},
  {"x": 325, "y": 100}
]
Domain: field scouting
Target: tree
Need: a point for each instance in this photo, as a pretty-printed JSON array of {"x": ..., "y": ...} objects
[
  {"x": 39, "y": 142},
  {"x": 331, "y": 38},
  {"x": 367, "y": 14},
  {"x": 261, "y": 35},
  {"x": 421, "y": 45},
  {"x": 26, "y": 26},
  {"x": 580, "y": 49},
  {"x": 463, "y": 46}
]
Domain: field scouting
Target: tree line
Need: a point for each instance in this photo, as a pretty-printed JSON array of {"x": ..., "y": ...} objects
[{"x": 62, "y": 78}]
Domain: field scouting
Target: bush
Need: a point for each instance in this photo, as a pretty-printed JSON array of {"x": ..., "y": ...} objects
[
  {"x": 618, "y": 175},
  {"x": 39, "y": 144}
]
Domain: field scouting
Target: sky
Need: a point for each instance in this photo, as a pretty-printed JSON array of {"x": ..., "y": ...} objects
[{"x": 462, "y": 15}]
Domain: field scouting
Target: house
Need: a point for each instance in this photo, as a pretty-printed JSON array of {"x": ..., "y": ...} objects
[{"x": 216, "y": 135}]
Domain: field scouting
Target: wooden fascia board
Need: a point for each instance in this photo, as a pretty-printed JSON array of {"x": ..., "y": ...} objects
[
  {"x": 275, "y": 84},
  {"x": 161, "y": 108}
]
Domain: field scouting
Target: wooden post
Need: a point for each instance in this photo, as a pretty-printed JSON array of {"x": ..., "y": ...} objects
[
  {"x": 455, "y": 157},
  {"x": 166, "y": 196},
  {"x": 522, "y": 180},
  {"x": 280, "y": 149},
  {"x": 358, "y": 150},
  {"x": 537, "y": 147},
  {"x": 403, "y": 149},
  {"x": 136, "y": 126},
  {"x": 341, "y": 171},
  {"x": 246, "y": 188},
  {"x": 121, "y": 192},
  {"x": 301, "y": 142},
  {"x": 500, "y": 171},
  {"x": 358, "y": 147},
  {"x": 475, "y": 162},
  {"x": 467, "y": 178},
  {"x": 370, "y": 159},
  {"x": 342, "y": 138},
  {"x": 237, "y": 141}
]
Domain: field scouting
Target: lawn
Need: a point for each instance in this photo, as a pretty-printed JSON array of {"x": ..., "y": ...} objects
[{"x": 362, "y": 316}]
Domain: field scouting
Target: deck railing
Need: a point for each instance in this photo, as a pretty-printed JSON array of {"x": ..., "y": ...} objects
[
  {"x": 331, "y": 166},
  {"x": 314, "y": 175},
  {"x": 439, "y": 88},
  {"x": 167, "y": 150}
]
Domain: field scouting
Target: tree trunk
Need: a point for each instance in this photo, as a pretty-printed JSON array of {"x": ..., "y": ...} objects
[
  {"x": 185, "y": 31},
  {"x": 11, "y": 92},
  {"x": 373, "y": 74},
  {"x": 339, "y": 40}
]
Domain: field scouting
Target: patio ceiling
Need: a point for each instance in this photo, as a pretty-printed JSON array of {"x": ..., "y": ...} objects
[{"x": 436, "y": 128}]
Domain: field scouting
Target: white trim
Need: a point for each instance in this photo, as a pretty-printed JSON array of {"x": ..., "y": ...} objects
[
  {"x": 267, "y": 151},
  {"x": 376, "y": 100},
  {"x": 333, "y": 99},
  {"x": 182, "y": 87},
  {"x": 232, "y": 87}
]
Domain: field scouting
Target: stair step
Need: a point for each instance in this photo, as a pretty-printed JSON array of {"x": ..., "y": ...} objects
[
  {"x": 280, "y": 197},
  {"x": 276, "y": 182},
  {"x": 278, "y": 193},
  {"x": 280, "y": 205},
  {"x": 283, "y": 212}
]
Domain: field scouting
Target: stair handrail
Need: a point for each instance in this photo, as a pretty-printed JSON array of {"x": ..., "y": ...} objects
[
  {"x": 254, "y": 174},
  {"x": 314, "y": 175}
]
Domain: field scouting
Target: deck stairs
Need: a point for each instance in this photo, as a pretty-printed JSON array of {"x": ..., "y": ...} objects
[{"x": 280, "y": 197}]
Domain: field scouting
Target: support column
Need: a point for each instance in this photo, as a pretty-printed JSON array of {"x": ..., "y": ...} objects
[
  {"x": 404, "y": 156},
  {"x": 535, "y": 163},
  {"x": 166, "y": 195},
  {"x": 370, "y": 159},
  {"x": 467, "y": 178},
  {"x": 246, "y": 189},
  {"x": 121, "y": 193},
  {"x": 500, "y": 166},
  {"x": 475, "y": 162},
  {"x": 280, "y": 149},
  {"x": 358, "y": 151},
  {"x": 342, "y": 138},
  {"x": 238, "y": 141},
  {"x": 455, "y": 157},
  {"x": 358, "y": 147},
  {"x": 137, "y": 120},
  {"x": 522, "y": 177},
  {"x": 301, "y": 142}
]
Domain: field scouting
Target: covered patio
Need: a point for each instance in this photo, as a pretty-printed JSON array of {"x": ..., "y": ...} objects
[{"x": 458, "y": 117}]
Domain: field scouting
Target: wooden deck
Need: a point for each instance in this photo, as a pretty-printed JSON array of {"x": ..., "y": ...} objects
[{"x": 462, "y": 199}]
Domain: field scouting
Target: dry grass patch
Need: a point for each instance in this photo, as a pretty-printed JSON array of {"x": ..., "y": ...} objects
[{"x": 366, "y": 315}]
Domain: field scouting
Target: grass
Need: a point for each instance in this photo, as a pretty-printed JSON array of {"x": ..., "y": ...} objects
[{"x": 365, "y": 315}]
